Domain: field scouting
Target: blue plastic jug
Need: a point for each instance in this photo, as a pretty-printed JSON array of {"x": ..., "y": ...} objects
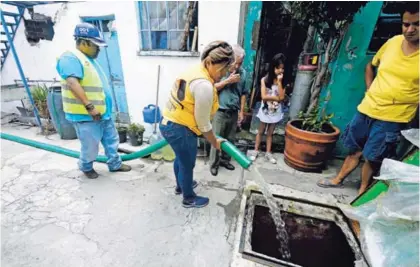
[{"x": 149, "y": 114}]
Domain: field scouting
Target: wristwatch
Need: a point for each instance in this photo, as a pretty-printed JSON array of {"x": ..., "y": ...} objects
[{"x": 90, "y": 107}]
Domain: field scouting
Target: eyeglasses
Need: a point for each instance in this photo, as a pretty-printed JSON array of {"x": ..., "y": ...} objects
[{"x": 408, "y": 24}]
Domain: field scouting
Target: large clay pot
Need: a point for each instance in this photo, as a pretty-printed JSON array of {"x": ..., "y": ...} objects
[{"x": 307, "y": 151}]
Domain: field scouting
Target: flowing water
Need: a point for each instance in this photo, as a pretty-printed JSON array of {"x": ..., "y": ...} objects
[{"x": 282, "y": 235}]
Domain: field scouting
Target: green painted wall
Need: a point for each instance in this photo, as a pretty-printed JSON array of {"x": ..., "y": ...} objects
[
  {"x": 347, "y": 85},
  {"x": 253, "y": 15}
]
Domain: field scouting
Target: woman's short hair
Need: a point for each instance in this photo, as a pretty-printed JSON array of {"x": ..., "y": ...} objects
[{"x": 218, "y": 52}]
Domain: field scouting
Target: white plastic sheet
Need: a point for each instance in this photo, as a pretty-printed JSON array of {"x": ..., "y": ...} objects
[
  {"x": 389, "y": 225},
  {"x": 412, "y": 135}
]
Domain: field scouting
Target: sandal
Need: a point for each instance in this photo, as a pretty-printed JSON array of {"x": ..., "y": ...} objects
[{"x": 326, "y": 183}]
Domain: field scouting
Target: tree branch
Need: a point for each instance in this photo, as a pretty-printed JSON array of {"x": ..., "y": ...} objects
[
  {"x": 320, "y": 76},
  {"x": 190, "y": 12}
]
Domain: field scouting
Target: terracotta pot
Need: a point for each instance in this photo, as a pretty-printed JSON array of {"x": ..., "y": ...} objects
[{"x": 308, "y": 151}]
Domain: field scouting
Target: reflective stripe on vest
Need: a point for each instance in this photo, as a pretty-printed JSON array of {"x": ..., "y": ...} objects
[
  {"x": 180, "y": 106},
  {"x": 91, "y": 84}
]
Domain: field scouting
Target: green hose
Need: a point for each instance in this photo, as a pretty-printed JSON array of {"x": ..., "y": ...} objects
[
  {"x": 228, "y": 147},
  {"x": 75, "y": 154}
]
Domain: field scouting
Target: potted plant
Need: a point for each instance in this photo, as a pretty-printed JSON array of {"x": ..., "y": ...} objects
[
  {"x": 310, "y": 141},
  {"x": 39, "y": 95},
  {"x": 121, "y": 129},
  {"x": 122, "y": 133},
  {"x": 135, "y": 133}
]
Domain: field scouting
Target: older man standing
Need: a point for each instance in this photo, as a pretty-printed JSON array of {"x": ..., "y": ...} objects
[
  {"x": 232, "y": 98},
  {"x": 390, "y": 102}
]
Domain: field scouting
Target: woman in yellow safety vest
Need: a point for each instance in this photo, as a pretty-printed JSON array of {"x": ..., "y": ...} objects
[{"x": 192, "y": 102}]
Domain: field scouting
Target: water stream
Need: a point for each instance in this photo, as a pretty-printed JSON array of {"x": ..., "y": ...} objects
[{"x": 282, "y": 235}]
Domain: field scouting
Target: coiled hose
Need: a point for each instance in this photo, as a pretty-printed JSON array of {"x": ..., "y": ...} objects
[{"x": 228, "y": 147}]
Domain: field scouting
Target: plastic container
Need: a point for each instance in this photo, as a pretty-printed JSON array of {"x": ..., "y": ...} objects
[
  {"x": 149, "y": 114},
  {"x": 166, "y": 153},
  {"x": 301, "y": 91},
  {"x": 55, "y": 106}
]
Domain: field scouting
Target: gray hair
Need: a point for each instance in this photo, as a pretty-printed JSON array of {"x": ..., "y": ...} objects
[{"x": 238, "y": 50}]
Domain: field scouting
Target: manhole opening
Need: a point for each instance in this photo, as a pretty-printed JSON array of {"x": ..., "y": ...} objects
[{"x": 312, "y": 242}]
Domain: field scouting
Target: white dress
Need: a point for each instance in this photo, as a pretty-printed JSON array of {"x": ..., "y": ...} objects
[{"x": 271, "y": 111}]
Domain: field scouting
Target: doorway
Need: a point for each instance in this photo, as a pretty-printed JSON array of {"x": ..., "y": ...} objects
[
  {"x": 278, "y": 33},
  {"x": 110, "y": 60}
]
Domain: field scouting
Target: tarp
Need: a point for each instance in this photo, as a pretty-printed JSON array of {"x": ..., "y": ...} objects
[{"x": 389, "y": 224}]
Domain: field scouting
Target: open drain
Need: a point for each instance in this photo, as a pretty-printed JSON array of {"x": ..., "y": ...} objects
[{"x": 319, "y": 236}]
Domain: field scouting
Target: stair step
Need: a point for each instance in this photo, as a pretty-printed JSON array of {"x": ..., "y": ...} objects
[
  {"x": 11, "y": 14},
  {"x": 10, "y": 24}
]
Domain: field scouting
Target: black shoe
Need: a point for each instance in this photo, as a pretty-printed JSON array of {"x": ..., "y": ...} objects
[
  {"x": 91, "y": 174},
  {"x": 178, "y": 190},
  {"x": 227, "y": 165},
  {"x": 214, "y": 170},
  {"x": 195, "y": 202},
  {"x": 123, "y": 168}
]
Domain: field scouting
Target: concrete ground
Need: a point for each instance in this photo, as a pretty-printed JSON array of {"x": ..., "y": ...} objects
[{"x": 53, "y": 216}]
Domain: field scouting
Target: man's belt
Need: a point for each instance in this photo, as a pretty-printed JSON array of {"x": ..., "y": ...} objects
[{"x": 228, "y": 111}]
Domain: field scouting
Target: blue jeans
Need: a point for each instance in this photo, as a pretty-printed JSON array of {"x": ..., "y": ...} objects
[
  {"x": 184, "y": 143},
  {"x": 377, "y": 139},
  {"x": 90, "y": 134}
]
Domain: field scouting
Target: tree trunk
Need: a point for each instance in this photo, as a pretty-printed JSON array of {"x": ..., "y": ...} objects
[
  {"x": 190, "y": 12},
  {"x": 309, "y": 39},
  {"x": 317, "y": 86}
]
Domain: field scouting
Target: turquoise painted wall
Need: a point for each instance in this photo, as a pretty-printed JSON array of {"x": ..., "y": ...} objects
[
  {"x": 253, "y": 14},
  {"x": 347, "y": 85}
]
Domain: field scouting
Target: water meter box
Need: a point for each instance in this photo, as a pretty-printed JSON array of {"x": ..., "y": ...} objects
[{"x": 319, "y": 235}]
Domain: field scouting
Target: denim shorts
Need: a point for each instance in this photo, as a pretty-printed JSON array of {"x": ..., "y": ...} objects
[{"x": 375, "y": 138}]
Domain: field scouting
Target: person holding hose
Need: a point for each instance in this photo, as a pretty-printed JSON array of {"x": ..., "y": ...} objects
[
  {"x": 87, "y": 101},
  {"x": 192, "y": 102}
]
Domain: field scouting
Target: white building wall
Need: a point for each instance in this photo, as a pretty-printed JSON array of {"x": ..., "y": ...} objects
[{"x": 216, "y": 21}]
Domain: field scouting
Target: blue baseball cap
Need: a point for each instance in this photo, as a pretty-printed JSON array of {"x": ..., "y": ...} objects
[{"x": 89, "y": 32}]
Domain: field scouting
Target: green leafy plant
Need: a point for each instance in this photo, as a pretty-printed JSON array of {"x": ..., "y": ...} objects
[
  {"x": 313, "y": 122},
  {"x": 135, "y": 128},
  {"x": 39, "y": 95}
]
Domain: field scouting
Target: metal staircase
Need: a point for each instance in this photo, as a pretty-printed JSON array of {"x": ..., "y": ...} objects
[{"x": 13, "y": 15}]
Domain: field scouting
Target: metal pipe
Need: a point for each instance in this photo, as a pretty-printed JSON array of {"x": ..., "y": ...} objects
[
  {"x": 36, "y": 81},
  {"x": 157, "y": 99},
  {"x": 22, "y": 75}
]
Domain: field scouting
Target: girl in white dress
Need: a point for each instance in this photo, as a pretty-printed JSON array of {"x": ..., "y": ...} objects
[{"x": 270, "y": 113}]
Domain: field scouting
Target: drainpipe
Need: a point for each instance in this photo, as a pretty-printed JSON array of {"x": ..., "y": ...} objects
[{"x": 22, "y": 75}]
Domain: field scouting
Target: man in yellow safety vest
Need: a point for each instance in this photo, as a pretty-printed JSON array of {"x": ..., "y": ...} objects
[{"x": 87, "y": 102}]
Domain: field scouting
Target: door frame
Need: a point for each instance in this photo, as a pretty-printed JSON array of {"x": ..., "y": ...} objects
[{"x": 110, "y": 17}]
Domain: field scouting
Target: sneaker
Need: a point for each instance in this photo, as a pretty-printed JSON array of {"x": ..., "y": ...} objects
[
  {"x": 91, "y": 174},
  {"x": 253, "y": 155},
  {"x": 270, "y": 158},
  {"x": 195, "y": 202},
  {"x": 123, "y": 168},
  {"x": 178, "y": 190}
]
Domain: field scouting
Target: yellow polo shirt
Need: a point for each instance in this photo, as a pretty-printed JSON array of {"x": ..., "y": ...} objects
[{"x": 394, "y": 93}]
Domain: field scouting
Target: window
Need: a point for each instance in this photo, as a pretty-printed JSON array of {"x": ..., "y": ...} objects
[
  {"x": 103, "y": 23},
  {"x": 388, "y": 25},
  {"x": 162, "y": 25}
]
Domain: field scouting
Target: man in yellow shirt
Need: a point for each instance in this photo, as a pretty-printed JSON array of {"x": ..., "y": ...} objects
[{"x": 390, "y": 102}]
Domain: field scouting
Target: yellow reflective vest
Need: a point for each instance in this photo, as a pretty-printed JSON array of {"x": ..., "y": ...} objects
[
  {"x": 180, "y": 107},
  {"x": 92, "y": 85}
]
